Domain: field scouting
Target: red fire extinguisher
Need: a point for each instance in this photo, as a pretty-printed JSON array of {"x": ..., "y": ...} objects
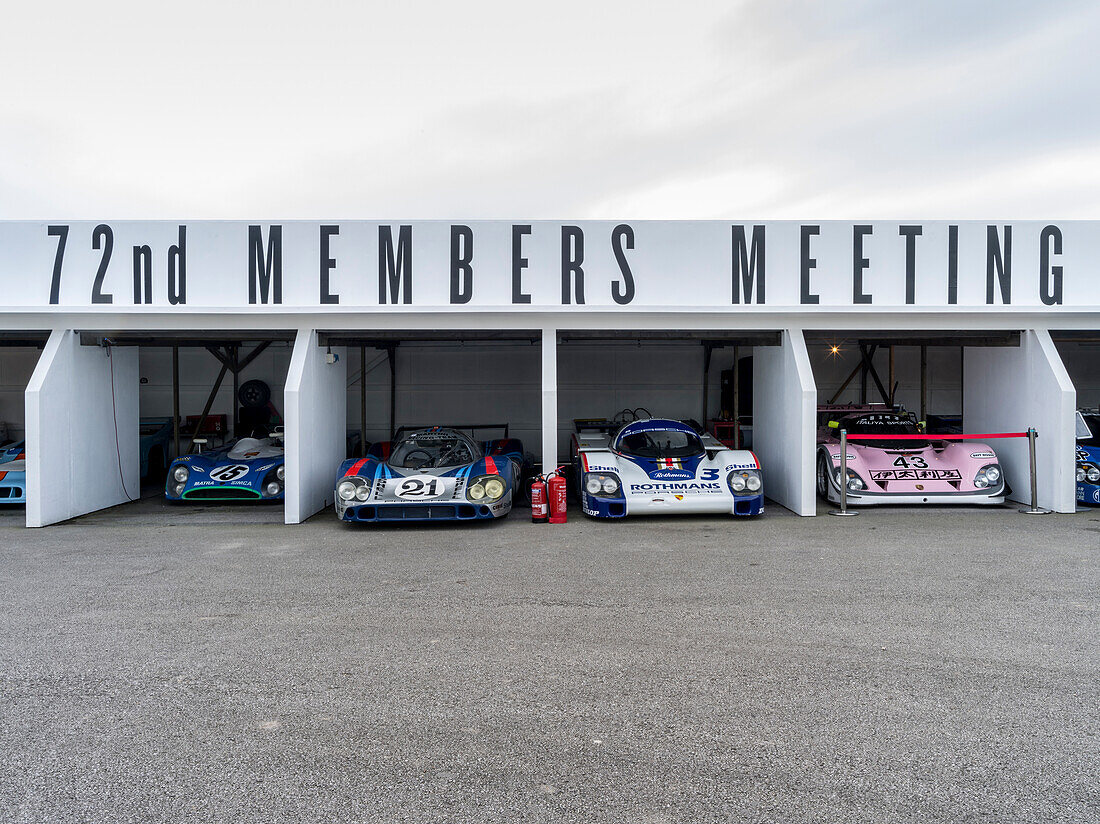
[
  {"x": 540, "y": 507},
  {"x": 556, "y": 488}
]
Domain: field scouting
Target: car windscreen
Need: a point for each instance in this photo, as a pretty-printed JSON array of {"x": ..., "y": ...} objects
[
  {"x": 661, "y": 443},
  {"x": 883, "y": 424},
  {"x": 431, "y": 448},
  {"x": 1093, "y": 423}
]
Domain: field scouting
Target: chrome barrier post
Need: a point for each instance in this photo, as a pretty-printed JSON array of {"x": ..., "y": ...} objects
[
  {"x": 843, "y": 477},
  {"x": 1034, "y": 510}
]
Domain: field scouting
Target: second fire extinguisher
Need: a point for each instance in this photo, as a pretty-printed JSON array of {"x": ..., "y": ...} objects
[{"x": 556, "y": 489}]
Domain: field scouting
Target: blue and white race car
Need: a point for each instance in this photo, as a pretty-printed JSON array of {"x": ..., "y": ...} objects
[
  {"x": 657, "y": 466},
  {"x": 431, "y": 474},
  {"x": 1088, "y": 456},
  {"x": 249, "y": 469},
  {"x": 13, "y": 473}
]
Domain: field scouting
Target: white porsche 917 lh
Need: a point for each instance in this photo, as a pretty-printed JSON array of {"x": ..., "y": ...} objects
[{"x": 663, "y": 467}]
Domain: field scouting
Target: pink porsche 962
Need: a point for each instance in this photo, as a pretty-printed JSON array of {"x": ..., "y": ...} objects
[{"x": 885, "y": 471}]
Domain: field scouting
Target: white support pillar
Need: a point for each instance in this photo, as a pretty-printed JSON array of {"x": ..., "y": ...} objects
[
  {"x": 82, "y": 436},
  {"x": 1010, "y": 388},
  {"x": 549, "y": 398},
  {"x": 784, "y": 414},
  {"x": 315, "y": 400}
]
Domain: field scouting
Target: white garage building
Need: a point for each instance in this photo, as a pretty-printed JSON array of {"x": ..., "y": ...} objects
[{"x": 535, "y": 324}]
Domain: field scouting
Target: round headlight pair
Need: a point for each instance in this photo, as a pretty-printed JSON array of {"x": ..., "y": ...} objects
[
  {"x": 349, "y": 490},
  {"x": 485, "y": 488},
  {"x": 744, "y": 481},
  {"x": 855, "y": 482},
  {"x": 181, "y": 473},
  {"x": 598, "y": 483},
  {"x": 989, "y": 475}
]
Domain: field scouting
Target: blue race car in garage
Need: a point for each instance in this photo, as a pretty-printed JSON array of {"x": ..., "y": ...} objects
[
  {"x": 432, "y": 473},
  {"x": 13, "y": 473},
  {"x": 248, "y": 469},
  {"x": 1088, "y": 456},
  {"x": 657, "y": 466}
]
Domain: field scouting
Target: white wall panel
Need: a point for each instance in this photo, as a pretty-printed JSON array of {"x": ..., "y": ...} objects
[
  {"x": 75, "y": 462},
  {"x": 1009, "y": 389},
  {"x": 784, "y": 413},
  {"x": 316, "y": 426}
]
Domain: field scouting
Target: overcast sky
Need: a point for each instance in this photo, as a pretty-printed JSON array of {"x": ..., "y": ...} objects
[{"x": 753, "y": 109}]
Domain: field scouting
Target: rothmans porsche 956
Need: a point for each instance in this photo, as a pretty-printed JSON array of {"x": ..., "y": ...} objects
[
  {"x": 656, "y": 466},
  {"x": 886, "y": 471},
  {"x": 433, "y": 473}
]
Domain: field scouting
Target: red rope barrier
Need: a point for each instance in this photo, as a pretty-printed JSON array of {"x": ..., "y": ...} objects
[{"x": 936, "y": 437}]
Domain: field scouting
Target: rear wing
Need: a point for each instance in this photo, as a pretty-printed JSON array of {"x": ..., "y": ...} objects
[{"x": 471, "y": 429}]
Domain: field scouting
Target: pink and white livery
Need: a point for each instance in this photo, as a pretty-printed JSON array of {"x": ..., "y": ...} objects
[{"x": 884, "y": 471}]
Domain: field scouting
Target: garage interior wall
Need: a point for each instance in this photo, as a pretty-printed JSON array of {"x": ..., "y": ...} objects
[
  {"x": 198, "y": 371},
  {"x": 1009, "y": 389},
  {"x": 1082, "y": 362},
  {"x": 75, "y": 465},
  {"x": 945, "y": 374},
  {"x": 16, "y": 367}
]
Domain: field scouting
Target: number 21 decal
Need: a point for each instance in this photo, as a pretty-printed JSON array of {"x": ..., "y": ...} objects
[{"x": 420, "y": 486}]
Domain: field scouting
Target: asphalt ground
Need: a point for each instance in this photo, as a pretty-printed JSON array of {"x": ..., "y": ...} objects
[{"x": 209, "y": 664}]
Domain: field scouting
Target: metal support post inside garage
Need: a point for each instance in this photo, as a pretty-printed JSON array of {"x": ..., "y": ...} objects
[
  {"x": 315, "y": 424},
  {"x": 80, "y": 404},
  {"x": 1012, "y": 387}
]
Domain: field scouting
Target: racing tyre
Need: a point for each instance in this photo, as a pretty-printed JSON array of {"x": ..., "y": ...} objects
[
  {"x": 254, "y": 394},
  {"x": 823, "y": 477}
]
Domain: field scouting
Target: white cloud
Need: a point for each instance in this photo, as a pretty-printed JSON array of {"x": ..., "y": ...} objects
[{"x": 770, "y": 108}]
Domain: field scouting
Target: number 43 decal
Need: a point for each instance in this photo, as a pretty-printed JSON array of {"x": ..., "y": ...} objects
[{"x": 916, "y": 462}]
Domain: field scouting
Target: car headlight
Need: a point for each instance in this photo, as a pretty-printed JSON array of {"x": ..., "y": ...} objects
[
  {"x": 362, "y": 492},
  {"x": 346, "y": 490},
  {"x": 601, "y": 484},
  {"x": 1080, "y": 474},
  {"x": 1093, "y": 474},
  {"x": 280, "y": 473},
  {"x": 486, "y": 488},
  {"x": 177, "y": 490},
  {"x": 272, "y": 488},
  {"x": 854, "y": 481},
  {"x": 744, "y": 481},
  {"x": 180, "y": 473},
  {"x": 989, "y": 475}
]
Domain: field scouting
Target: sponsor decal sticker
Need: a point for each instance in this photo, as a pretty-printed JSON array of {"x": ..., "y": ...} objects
[
  {"x": 982, "y": 455},
  {"x": 915, "y": 475},
  {"x": 671, "y": 474}
]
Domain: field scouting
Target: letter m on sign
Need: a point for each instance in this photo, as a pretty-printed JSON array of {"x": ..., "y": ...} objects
[
  {"x": 265, "y": 271},
  {"x": 748, "y": 264}
]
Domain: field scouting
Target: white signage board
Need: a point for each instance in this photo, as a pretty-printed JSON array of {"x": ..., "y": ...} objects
[{"x": 637, "y": 265}]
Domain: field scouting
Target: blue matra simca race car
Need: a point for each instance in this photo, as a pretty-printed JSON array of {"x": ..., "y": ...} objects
[
  {"x": 657, "y": 466},
  {"x": 433, "y": 473},
  {"x": 1088, "y": 456},
  {"x": 13, "y": 473},
  {"x": 249, "y": 469}
]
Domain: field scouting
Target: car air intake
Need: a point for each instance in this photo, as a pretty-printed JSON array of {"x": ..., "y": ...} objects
[{"x": 221, "y": 494}]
